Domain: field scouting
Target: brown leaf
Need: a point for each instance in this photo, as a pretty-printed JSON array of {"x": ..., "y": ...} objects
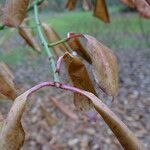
[
  {"x": 80, "y": 79},
  {"x": 27, "y": 35},
  {"x": 76, "y": 45},
  {"x": 12, "y": 134},
  {"x": 100, "y": 11},
  {"x": 71, "y": 4},
  {"x": 129, "y": 3},
  {"x": 143, "y": 7},
  {"x": 7, "y": 86},
  {"x": 126, "y": 138},
  {"x": 14, "y": 12},
  {"x": 66, "y": 110},
  {"x": 105, "y": 66},
  {"x": 52, "y": 36},
  {"x": 49, "y": 118}
]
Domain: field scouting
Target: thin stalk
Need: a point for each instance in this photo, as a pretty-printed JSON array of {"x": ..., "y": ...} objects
[
  {"x": 66, "y": 39},
  {"x": 58, "y": 42},
  {"x": 45, "y": 44}
]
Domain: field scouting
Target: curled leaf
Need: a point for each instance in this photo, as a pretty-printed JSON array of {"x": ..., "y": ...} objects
[
  {"x": 14, "y": 12},
  {"x": 71, "y": 4},
  {"x": 7, "y": 86},
  {"x": 12, "y": 134},
  {"x": 80, "y": 79},
  {"x": 105, "y": 66},
  {"x": 27, "y": 35},
  {"x": 76, "y": 45},
  {"x": 52, "y": 36},
  {"x": 100, "y": 11},
  {"x": 126, "y": 138},
  {"x": 143, "y": 7}
]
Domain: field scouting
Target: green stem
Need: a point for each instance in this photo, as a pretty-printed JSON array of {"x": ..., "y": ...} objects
[
  {"x": 58, "y": 42},
  {"x": 45, "y": 44}
]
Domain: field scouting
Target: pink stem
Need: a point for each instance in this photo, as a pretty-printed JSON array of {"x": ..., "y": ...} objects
[
  {"x": 54, "y": 84},
  {"x": 72, "y": 35}
]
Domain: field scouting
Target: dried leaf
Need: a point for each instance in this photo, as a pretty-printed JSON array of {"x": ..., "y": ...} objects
[
  {"x": 52, "y": 36},
  {"x": 27, "y": 35},
  {"x": 105, "y": 66},
  {"x": 71, "y": 4},
  {"x": 12, "y": 134},
  {"x": 126, "y": 138},
  {"x": 80, "y": 79},
  {"x": 76, "y": 45},
  {"x": 49, "y": 118},
  {"x": 14, "y": 12},
  {"x": 129, "y": 3},
  {"x": 64, "y": 109},
  {"x": 143, "y": 7},
  {"x": 100, "y": 11},
  {"x": 7, "y": 86}
]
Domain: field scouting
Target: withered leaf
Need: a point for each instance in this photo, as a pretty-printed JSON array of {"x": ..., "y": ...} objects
[
  {"x": 27, "y": 35},
  {"x": 126, "y": 138},
  {"x": 12, "y": 134},
  {"x": 71, "y": 4},
  {"x": 143, "y": 7},
  {"x": 100, "y": 11},
  {"x": 52, "y": 36},
  {"x": 105, "y": 66},
  {"x": 77, "y": 46},
  {"x": 7, "y": 86},
  {"x": 80, "y": 79},
  {"x": 14, "y": 12}
]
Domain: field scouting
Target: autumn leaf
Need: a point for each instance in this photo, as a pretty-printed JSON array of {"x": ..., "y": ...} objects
[
  {"x": 100, "y": 11},
  {"x": 7, "y": 86},
  {"x": 105, "y": 66},
  {"x": 126, "y": 138},
  {"x": 80, "y": 79},
  {"x": 14, "y": 12},
  {"x": 77, "y": 46},
  {"x": 12, "y": 134},
  {"x": 52, "y": 36},
  {"x": 143, "y": 7},
  {"x": 71, "y": 4},
  {"x": 27, "y": 35}
]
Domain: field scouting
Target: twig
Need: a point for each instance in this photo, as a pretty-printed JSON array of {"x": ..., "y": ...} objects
[{"x": 45, "y": 44}]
